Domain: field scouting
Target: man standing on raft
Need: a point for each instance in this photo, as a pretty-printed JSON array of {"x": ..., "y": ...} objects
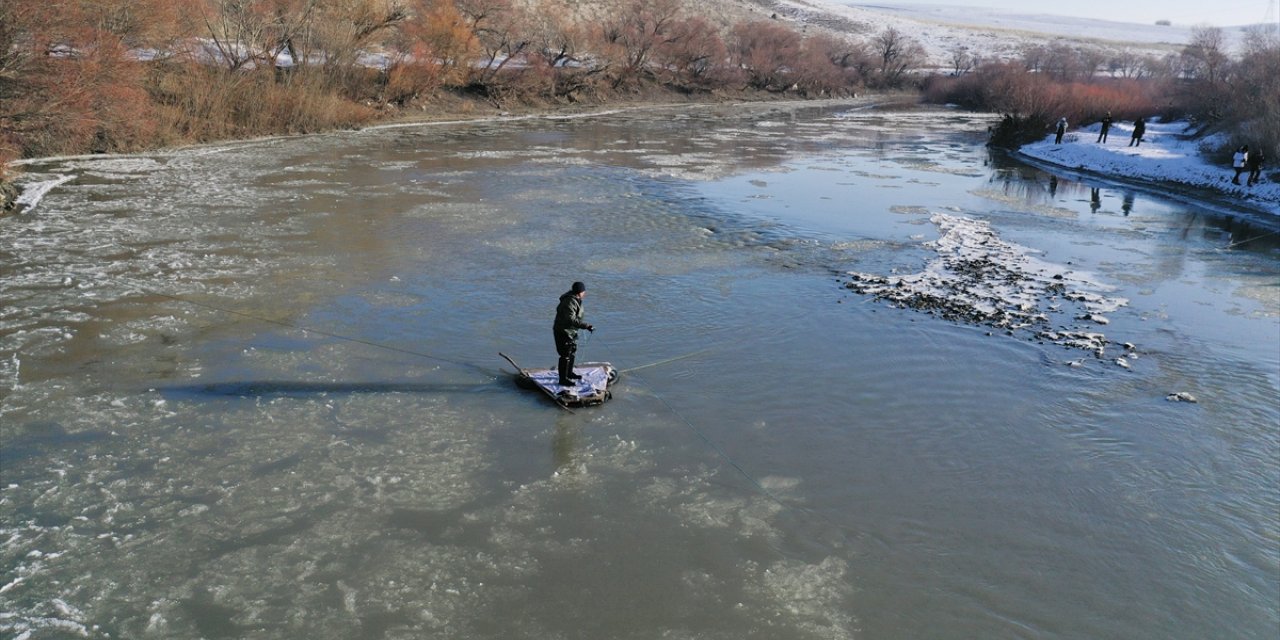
[{"x": 568, "y": 321}]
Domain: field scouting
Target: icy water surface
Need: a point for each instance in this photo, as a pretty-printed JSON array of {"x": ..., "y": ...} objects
[{"x": 981, "y": 447}]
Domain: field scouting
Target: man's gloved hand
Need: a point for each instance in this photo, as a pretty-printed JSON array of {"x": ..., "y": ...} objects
[{"x": 591, "y": 328}]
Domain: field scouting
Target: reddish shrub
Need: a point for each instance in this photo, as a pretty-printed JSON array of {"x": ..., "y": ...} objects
[
  {"x": 766, "y": 52},
  {"x": 1011, "y": 89},
  {"x": 693, "y": 54},
  {"x": 409, "y": 79}
]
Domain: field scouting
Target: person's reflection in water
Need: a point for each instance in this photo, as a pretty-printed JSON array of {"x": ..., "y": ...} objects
[
  {"x": 1095, "y": 199},
  {"x": 1053, "y": 186},
  {"x": 1127, "y": 205},
  {"x": 564, "y": 444}
]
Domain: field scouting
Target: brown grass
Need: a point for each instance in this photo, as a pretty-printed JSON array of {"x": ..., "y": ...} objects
[{"x": 199, "y": 103}]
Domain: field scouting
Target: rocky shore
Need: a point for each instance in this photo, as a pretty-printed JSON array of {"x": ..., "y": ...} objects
[{"x": 8, "y": 197}]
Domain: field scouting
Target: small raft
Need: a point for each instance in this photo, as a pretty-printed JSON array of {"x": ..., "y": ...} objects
[{"x": 592, "y": 389}]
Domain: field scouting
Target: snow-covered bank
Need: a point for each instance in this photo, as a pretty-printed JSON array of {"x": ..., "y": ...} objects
[{"x": 1167, "y": 157}]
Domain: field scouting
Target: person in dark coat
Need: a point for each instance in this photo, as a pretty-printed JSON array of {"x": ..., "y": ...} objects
[
  {"x": 1255, "y": 167},
  {"x": 1139, "y": 128},
  {"x": 1062, "y": 128},
  {"x": 1106, "y": 128},
  {"x": 568, "y": 321}
]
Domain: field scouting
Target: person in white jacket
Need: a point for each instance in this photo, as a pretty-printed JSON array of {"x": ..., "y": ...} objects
[{"x": 1238, "y": 162}]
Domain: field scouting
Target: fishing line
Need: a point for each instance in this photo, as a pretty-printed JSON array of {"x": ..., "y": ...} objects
[
  {"x": 654, "y": 364},
  {"x": 1236, "y": 244}
]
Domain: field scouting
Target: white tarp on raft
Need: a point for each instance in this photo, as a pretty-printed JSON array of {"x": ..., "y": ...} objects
[
  {"x": 596, "y": 377},
  {"x": 593, "y": 388}
]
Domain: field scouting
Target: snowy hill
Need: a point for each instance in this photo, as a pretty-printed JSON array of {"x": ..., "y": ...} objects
[
  {"x": 987, "y": 19},
  {"x": 988, "y": 33}
]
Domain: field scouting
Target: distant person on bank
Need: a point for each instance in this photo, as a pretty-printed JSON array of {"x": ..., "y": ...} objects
[
  {"x": 1106, "y": 128},
  {"x": 1255, "y": 166},
  {"x": 1139, "y": 129},
  {"x": 1238, "y": 162},
  {"x": 1062, "y": 128}
]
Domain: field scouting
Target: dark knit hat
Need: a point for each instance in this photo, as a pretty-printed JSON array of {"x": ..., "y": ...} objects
[{"x": 578, "y": 287}]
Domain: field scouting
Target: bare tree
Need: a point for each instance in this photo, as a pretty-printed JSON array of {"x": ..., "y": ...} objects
[
  {"x": 1034, "y": 57},
  {"x": 1091, "y": 60},
  {"x": 962, "y": 61},
  {"x": 1127, "y": 64},
  {"x": 1062, "y": 61},
  {"x": 1256, "y": 87},
  {"x": 1205, "y": 56},
  {"x": 634, "y": 30},
  {"x": 350, "y": 25},
  {"x": 1166, "y": 66},
  {"x": 499, "y": 26},
  {"x": 694, "y": 53},
  {"x": 232, "y": 25},
  {"x": 898, "y": 54},
  {"x": 555, "y": 36}
]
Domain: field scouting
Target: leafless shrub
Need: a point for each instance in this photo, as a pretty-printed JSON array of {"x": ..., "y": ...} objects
[{"x": 898, "y": 54}]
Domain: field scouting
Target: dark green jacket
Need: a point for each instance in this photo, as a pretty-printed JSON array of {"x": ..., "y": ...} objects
[{"x": 569, "y": 316}]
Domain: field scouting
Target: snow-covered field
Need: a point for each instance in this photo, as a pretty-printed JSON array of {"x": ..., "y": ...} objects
[
  {"x": 1167, "y": 158},
  {"x": 987, "y": 33},
  {"x": 1036, "y": 19}
]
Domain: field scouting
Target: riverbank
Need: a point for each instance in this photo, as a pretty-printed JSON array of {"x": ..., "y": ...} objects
[{"x": 1169, "y": 159}]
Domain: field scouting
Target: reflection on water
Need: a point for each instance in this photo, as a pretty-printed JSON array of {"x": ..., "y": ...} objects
[
  {"x": 1030, "y": 187},
  {"x": 181, "y": 460}
]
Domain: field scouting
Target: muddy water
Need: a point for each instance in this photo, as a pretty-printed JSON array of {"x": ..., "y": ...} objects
[{"x": 180, "y": 460}]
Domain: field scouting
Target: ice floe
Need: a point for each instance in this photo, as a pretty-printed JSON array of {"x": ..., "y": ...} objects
[{"x": 978, "y": 278}]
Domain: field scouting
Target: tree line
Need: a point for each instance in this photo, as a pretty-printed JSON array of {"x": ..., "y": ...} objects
[{"x": 118, "y": 75}]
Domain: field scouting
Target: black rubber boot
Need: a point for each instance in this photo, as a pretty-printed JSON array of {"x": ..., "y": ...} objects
[
  {"x": 563, "y": 368},
  {"x": 569, "y": 370}
]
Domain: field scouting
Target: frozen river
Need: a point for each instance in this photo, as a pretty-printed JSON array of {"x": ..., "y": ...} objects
[{"x": 878, "y": 383}]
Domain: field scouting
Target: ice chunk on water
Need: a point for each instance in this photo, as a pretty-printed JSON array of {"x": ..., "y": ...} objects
[
  {"x": 10, "y": 370},
  {"x": 33, "y": 193},
  {"x": 980, "y": 278}
]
